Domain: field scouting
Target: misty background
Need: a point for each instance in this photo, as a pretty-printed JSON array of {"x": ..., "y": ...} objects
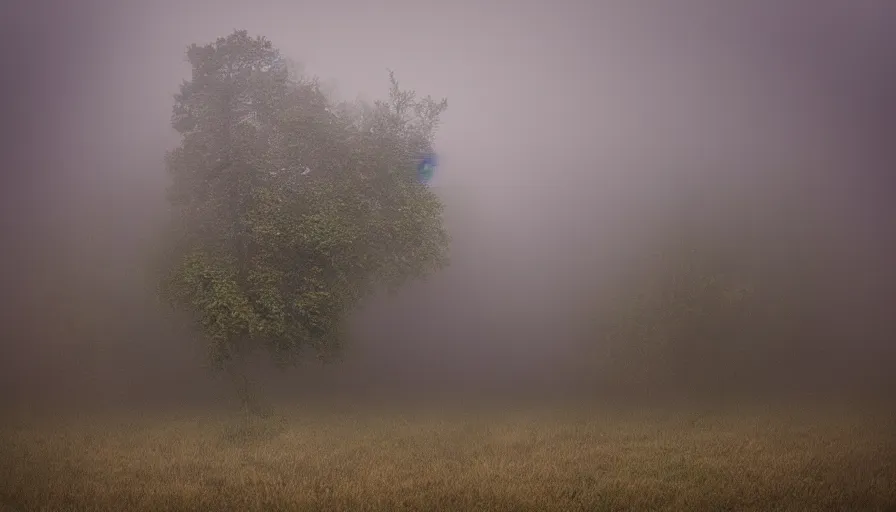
[{"x": 578, "y": 135}]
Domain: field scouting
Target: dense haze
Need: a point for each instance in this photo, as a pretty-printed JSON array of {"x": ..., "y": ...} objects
[{"x": 576, "y": 133}]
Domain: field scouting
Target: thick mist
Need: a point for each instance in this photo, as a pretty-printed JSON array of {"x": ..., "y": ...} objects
[{"x": 577, "y": 134}]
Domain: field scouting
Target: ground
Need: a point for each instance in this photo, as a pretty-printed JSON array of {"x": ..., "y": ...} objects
[{"x": 761, "y": 459}]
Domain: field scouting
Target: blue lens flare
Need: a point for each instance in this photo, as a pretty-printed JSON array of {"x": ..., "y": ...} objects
[{"x": 426, "y": 168}]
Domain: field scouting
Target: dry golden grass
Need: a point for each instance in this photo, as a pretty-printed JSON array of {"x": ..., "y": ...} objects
[{"x": 509, "y": 461}]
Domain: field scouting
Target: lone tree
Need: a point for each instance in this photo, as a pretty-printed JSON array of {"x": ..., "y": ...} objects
[{"x": 288, "y": 209}]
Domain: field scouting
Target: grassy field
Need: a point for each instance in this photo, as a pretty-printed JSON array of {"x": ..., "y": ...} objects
[{"x": 599, "y": 460}]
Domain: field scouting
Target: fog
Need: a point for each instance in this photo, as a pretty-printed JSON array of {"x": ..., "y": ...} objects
[{"x": 577, "y": 133}]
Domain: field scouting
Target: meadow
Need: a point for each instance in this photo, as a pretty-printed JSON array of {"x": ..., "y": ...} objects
[{"x": 374, "y": 459}]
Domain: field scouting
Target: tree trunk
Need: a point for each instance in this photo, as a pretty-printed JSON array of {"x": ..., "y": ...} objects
[{"x": 248, "y": 393}]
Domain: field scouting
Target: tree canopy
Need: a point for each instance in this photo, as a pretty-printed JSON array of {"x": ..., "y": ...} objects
[
  {"x": 681, "y": 324},
  {"x": 715, "y": 309},
  {"x": 288, "y": 208}
]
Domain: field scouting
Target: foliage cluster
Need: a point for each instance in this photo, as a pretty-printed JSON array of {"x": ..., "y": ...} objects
[{"x": 287, "y": 207}]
